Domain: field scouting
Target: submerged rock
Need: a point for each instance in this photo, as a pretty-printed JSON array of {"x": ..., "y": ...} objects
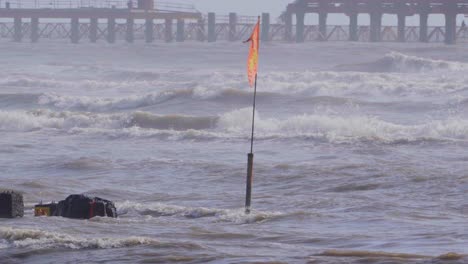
[
  {"x": 78, "y": 206},
  {"x": 11, "y": 204}
]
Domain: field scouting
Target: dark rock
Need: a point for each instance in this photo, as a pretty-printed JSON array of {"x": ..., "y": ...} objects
[
  {"x": 78, "y": 206},
  {"x": 11, "y": 204}
]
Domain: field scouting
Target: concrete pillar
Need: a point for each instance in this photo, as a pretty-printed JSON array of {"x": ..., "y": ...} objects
[
  {"x": 289, "y": 26},
  {"x": 18, "y": 29},
  {"x": 401, "y": 27},
  {"x": 201, "y": 30},
  {"x": 423, "y": 27},
  {"x": 375, "y": 26},
  {"x": 323, "y": 26},
  {"x": 149, "y": 34},
  {"x": 34, "y": 29},
  {"x": 265, "y": 30},
  {"x": 75, "y": 30},
  {"x": 450, "y": 22},
  {"x": 111, "y": 30},
  {"x": 353, "y": 27},
  {"x": 129, "y": 34},
  {"x": 211, "y": 27},
  {"x": 93, "y": 30},
  {"x": 353, "y": 14},
  {"x": 168, "y": 30},
  {"x": 300, "y": 27},
  {"x": 180, "y": 36},
  {"x": 375, "y": 20},
  {"x": 450, "y": 28},
  {"x": 232, "y": 26}
]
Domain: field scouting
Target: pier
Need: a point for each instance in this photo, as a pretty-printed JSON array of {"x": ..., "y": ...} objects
[
  {"x": 149, "y": 21},
  {"x": 376, "y": 9}
]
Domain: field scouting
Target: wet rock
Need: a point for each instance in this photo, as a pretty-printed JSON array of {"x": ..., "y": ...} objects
[
  {"x": 78, "y": 206},
  {"x": 11, "y": 204}
]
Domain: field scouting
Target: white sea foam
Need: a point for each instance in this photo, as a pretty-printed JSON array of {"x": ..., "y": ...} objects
[
  {"x": 398, "y": 62},
  {"x": 236, "y": 124},
  {"x": 106, "y": 104},
  {"x": 38, "y": 239},
  {"x": 279, "y": 86},
  {"x": 344, "y": 128},
  {"x": 405, "y": 63},
  {"x": 237, "y": 216}
]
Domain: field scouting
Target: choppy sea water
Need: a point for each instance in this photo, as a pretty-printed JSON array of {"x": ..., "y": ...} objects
[{"x": 361, "y": 152}]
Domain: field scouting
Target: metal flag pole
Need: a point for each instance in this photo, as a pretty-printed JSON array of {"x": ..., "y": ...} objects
[{"x": 250, "y": 157}]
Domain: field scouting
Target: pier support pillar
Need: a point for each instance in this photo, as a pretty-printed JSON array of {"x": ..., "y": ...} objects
[
  {"x": 168, "y": 30},
  {"x": 375, "y": 20},
  {"x": 93, "y": 30},
  {"x": 450, "y": 22},
  {"x": 353, "y": 27},
  {"x": 201, "y": 30},
  {"x": 289, "y": 27},
  {"x": 111, "y": 30},
  {"x": 401, "y": 27},
  {"x": 423, "y": 27},
  {"x": 450, "y": 28},
  {"x": 265, "y": 31},
  {"x": 18, "y": 29},
  {"x": 323, "y": 26},
  {"x": 75, "y": 30},
  {"x": 34, "y": 29},
  {"x": 353, "y": 14},
  {"x": 300, "y": 27},
  {"x": 375, "y": 26},
  {"x": 149, "y": 36},
  {"x": 180, "y": 30},
  {"x": 211, "y": 27},
  {"x": 232, "y": 26},
  {"x": 129, "y": 34}
]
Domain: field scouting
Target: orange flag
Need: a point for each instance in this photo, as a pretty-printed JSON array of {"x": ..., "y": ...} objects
[{"x": 252, "y": 61}]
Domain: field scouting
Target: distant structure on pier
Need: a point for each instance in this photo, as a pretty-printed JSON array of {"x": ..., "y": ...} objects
[{"x": 153, "y": 20}]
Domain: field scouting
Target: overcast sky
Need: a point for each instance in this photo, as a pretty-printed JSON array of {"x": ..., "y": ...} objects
[
  {"x": 275, "y": 7},
  {"x": 244, "y": 7}
]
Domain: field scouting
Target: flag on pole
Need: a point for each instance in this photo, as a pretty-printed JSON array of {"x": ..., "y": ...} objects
[{"x": 252, "y": 61}]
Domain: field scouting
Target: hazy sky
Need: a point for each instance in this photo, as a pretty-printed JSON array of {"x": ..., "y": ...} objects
[{"x": 275, "y": 7}]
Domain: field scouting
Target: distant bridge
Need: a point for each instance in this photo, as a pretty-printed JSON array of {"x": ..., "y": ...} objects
[{"x": 113, "y": 20}]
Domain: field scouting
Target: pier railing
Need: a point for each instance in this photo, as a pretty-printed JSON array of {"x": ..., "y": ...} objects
[
  {"x": 72, "y": 4},
  {"x": 195, "y": 31}
]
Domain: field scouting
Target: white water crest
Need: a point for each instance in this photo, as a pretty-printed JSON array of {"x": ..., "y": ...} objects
[
  {"x": 399, "y": 62},
  {"x": 37, "y": 239},
  {"x": 237, "y": 216},
  {"x": 234, "y": 125}
]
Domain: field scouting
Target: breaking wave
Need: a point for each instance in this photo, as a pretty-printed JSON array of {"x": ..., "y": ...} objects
[
  {"x": 106, "y": 104},
  {"x": 38, "y": 239},
  {"x": 398, "y": 62},
  {"x": 47, "y": 119},
  {"x": 345, "y": 128},
  {"x": 237, "y": 216},
  {"x": 235, "y": 125},
  {"x": 96, "y": 104}
]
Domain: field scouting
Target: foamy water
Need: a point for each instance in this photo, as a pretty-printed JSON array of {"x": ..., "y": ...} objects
[{"x": 361, "y": 152}]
